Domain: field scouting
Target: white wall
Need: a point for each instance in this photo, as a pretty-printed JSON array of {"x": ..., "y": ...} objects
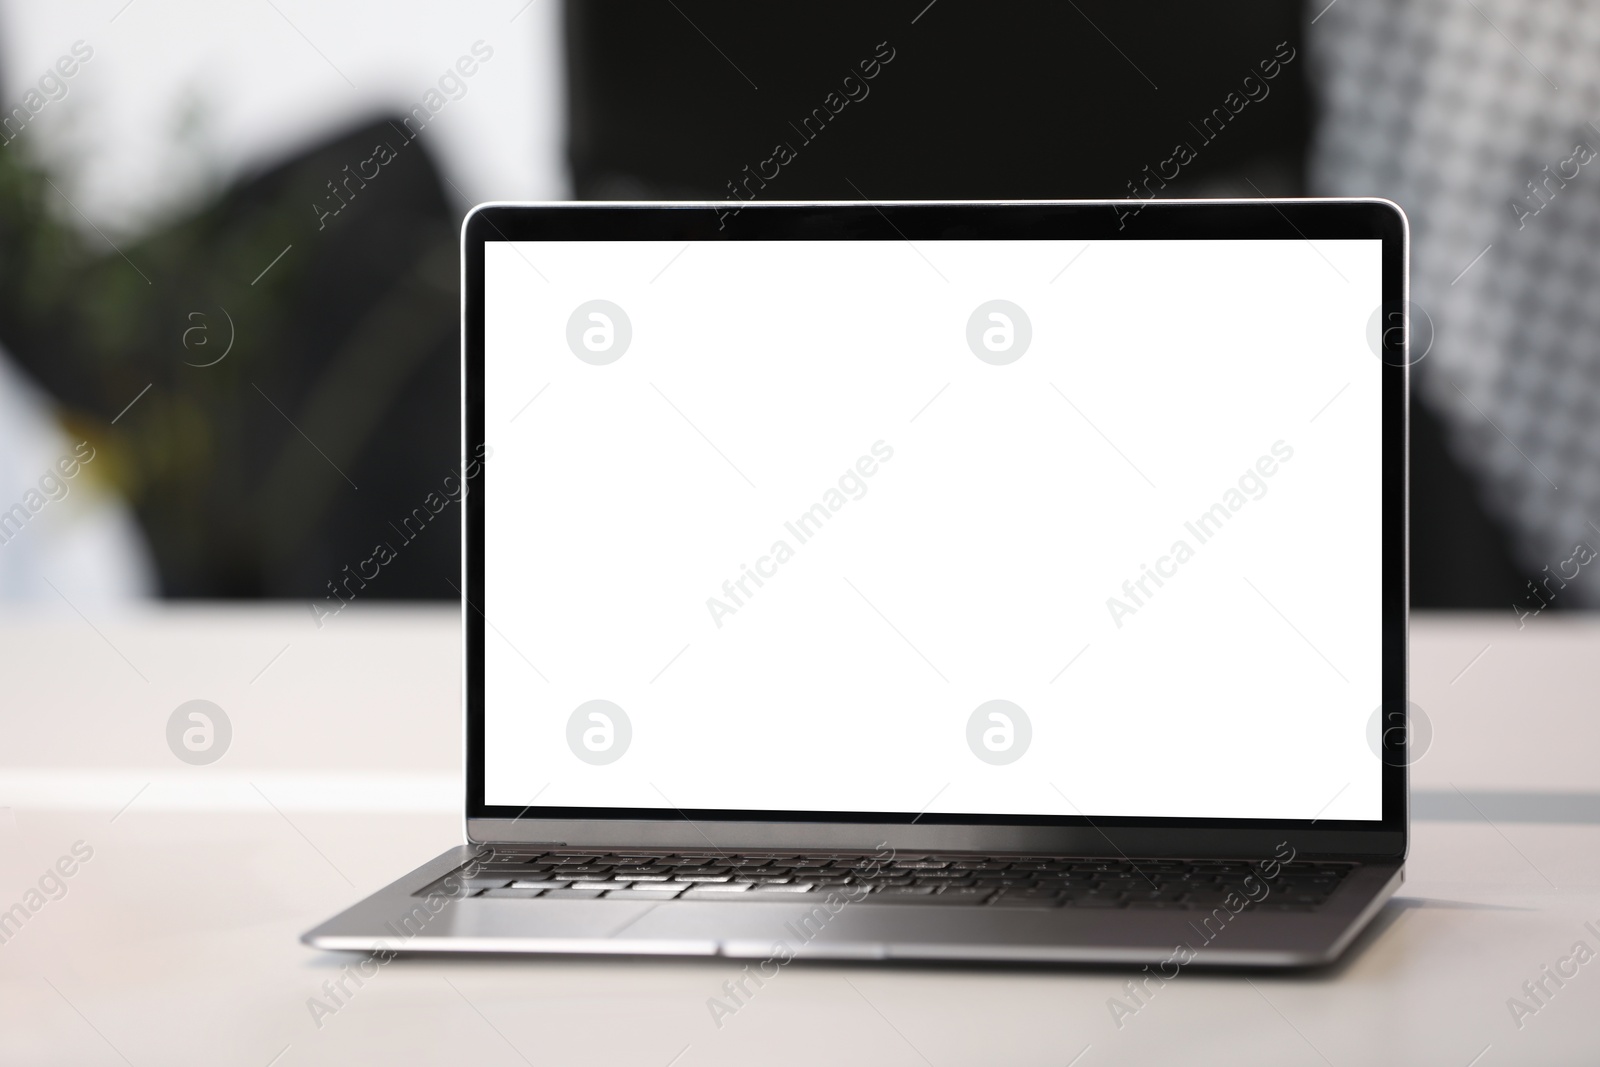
[{"x": 271, "y": 77}]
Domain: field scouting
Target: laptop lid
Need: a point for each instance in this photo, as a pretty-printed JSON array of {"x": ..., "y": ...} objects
[{"x": 1070, "y": 526}]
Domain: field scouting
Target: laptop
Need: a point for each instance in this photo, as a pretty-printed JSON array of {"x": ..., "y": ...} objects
[{"x": 1000, "y": 581}]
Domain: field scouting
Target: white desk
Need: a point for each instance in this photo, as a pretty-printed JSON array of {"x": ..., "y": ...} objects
[{"x": 176, "y": 943}]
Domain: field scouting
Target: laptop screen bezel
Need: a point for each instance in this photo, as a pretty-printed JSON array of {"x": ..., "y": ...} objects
[{"x": 1290, "y": 220}]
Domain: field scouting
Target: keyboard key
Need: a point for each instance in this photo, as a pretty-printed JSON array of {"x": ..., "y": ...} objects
[
  {"x": 1164, "y": 895},
  {"x": 964, "y": 895},
  {"x": 511, "y": 894},
  {"x": 789, "y": 888},
  {"x": 1298, "y": 898},
  {"x": 949, "y": 897},
  {"x": 534, "y": 884},
  {"x": 645, "y": 892},
  {"x": 571, "y": 894}
]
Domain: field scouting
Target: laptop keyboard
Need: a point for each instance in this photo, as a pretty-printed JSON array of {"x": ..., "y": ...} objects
[{"x": 978, "y": 881}]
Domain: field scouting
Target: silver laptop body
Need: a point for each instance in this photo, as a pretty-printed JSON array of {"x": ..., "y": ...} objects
[{"x": 1094, "y": 503}]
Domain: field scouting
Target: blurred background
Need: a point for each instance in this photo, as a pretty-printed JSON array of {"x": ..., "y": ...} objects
[{"x": 228, "y": 234}]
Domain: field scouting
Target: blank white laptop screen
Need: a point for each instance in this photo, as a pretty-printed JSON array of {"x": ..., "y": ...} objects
[{"x": 985, "y": 527}]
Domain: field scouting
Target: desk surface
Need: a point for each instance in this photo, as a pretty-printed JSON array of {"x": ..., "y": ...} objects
[{"x": 175, "y": 942}]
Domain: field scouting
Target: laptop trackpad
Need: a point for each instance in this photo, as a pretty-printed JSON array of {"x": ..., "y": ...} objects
[
  {"x": 589, "y": 922},
  {"x": 740, "y": 928}
]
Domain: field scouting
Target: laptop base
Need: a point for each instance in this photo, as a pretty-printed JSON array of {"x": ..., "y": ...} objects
[{"x": 403, "y": 918}]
